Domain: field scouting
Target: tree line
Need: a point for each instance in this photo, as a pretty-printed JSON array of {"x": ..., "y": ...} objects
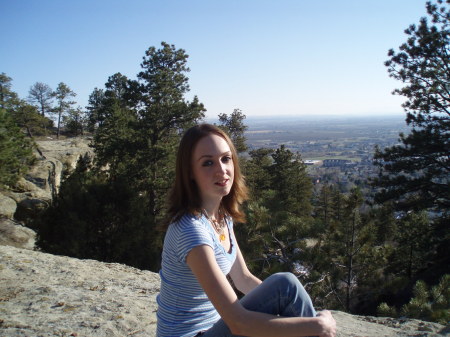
[{"x": 384, "y": 252}]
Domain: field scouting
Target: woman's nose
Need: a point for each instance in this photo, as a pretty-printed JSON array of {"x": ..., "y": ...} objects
[{"x": 222, "y": 168}]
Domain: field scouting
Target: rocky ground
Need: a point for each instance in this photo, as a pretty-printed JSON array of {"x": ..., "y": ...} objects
[{"x": 48, "y": 295}]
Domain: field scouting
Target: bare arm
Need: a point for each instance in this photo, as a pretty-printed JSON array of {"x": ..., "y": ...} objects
[
  {"x": 243, "y": 279},
  {"x": 241, "y": 321}
]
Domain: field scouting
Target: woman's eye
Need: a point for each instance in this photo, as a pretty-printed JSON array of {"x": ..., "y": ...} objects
[
  {"x": 226, "y": 159},
  {"x": 207, "y": 163}
]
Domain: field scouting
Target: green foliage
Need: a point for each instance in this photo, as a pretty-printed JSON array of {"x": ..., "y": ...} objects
[
  {"x": 94, "y": 108},
  {"x": 416, "y": 173},
  {"x": 41, "y": 95},
  {"x": 279, "y": 215},
  {"x": 75, "y": 122},
  {"x": 346, "y": 260},
  {"x": 235, "y": 127},
  {"x": 257, "y": 173},
  {"x": 430, "y": 305},
  {"x": 386, "y": 311},
  {"x": 27, "y": 116},
  {"x": 63, "y": 95},
  {"x": 15, "y": 151},
  {"x": 92, "y": 218},
  {"x": 7, "y": 97},
  {"x": 139, "y": 123},
  {"x": 111, "y": 211},
  {"x": 414, "y": 176},
  {"x": 413, "y": 238}
]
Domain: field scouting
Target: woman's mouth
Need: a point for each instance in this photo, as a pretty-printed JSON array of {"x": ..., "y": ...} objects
[{"x": 222, "y": 183}]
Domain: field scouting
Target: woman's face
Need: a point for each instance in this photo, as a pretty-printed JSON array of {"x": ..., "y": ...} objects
[{"x": 212, "y": 167}]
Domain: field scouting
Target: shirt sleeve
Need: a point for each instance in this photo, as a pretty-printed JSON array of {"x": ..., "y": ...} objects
[{"x": 192, "y": 232}]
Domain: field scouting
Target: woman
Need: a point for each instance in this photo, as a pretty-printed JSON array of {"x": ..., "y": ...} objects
[{"x": 200, "y": 250}]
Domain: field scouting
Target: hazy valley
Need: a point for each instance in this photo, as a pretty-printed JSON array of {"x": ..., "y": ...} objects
[{"x": 337, "y": 149}]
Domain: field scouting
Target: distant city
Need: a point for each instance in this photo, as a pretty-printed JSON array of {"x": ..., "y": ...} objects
[{"x": 337, "y": 149}]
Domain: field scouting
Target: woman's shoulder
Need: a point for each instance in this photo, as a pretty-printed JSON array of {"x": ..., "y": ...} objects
[{"x": 186, "y": 221}]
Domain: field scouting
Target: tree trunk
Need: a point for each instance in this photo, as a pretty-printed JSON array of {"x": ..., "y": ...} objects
[{"x": 37, "y": 147}]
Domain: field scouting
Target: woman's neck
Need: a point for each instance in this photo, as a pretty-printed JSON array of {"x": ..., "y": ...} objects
[{"x": 212, "y": 209}]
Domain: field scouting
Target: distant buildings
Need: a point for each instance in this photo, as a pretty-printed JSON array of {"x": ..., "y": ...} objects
[
  {"x": 312, "y": 162},
  {"x": 338, "y": 163}
]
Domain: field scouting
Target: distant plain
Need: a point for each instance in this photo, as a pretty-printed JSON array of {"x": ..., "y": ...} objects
[{"x": 320, "y": 137}]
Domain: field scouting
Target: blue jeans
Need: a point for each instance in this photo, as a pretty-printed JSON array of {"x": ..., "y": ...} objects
[{"x": 280, "y": 294}]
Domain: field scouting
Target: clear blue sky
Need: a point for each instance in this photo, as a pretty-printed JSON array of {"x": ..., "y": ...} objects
[{"x": 265, "y": 57}]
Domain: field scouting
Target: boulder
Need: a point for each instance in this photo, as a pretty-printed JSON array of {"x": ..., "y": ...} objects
[
  {"x": 36, "y": 191},
  {"x": 7, "y": 206},
  {"x": 45, "y": 175},
  {"x": 16, "y": 235},
  {"x": 30, "y": 207}
]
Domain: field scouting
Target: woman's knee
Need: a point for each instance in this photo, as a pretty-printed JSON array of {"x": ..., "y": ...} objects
[
  {"x": 287, "y": 279},
  {"x": 291, "y": 290}
]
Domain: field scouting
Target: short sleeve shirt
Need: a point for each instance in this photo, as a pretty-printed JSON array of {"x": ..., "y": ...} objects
[{"x": 183, "y": 307}]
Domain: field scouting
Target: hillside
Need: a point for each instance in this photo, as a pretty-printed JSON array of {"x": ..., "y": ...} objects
[{"x": 48, "y": 295}]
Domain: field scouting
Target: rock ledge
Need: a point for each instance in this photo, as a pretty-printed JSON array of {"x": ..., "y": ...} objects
[{"x": 47, "y": 295}]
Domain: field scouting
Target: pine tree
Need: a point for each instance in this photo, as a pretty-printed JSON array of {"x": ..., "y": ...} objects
[
  {"x": 15, "y": 151},
  {"x": 41, "y": 95},
  {"x": 350, "y": 246},
  {"x": 235, "y": 127},
  {"x": 279, "y": 216},
  {"x": 63, "y": 95},
  {"x": 415, "y": 174}
]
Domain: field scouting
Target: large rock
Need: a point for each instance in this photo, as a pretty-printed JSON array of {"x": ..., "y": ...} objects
[
  {"x": 47, "y": 295},
  {"x": 67, "y": 151},
  {"x": 36, "y": 191},
  {"x": 16, "y": 235},
  {"x": 7, "y": 206}
]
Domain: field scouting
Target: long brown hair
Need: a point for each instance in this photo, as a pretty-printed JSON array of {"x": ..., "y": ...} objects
[{"x": 185, "y": 197}]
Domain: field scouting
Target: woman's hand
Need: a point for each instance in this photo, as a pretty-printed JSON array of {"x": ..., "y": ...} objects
[{"x": 328, "y": 324}]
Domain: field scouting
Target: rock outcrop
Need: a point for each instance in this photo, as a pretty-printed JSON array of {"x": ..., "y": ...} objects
[
  {"x": 16, "y": 235},
  {"x": 36, "y": 191},
  {"x": 48, "y": 295}
]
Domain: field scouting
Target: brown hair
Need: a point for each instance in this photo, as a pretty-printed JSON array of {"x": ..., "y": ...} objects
[{"x": 185, "y": 197}]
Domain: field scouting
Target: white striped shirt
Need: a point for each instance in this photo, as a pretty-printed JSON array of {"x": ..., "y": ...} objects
[{"x": 183, "y": 307}]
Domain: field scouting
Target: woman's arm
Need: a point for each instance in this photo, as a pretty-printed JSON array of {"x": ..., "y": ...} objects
[
  {"x": 203, "y": 264},
  {"x": 242, "y": 278}
]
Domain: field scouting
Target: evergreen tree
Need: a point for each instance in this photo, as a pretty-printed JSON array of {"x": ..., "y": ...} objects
[
  {"x": 235, "y": 127},
  {"x": 279, "y": 215},
  {"x": 141, "y": 122},
  {"x": 75, "y": 122},
  {"x": 7, "y": 96},
  {"x": 27, "y": 116},
  {"x": 15, "y": 151},
  {"x": 41, "y": 95},
  {"x": 257, "y": 172},
  {"x": 93, "y": 109},
  {"x": 413, "y": 252},
  {"x": 323, "y": 209},
  {"x": 350, "y": 248},
  {"x": 93, "y": 218},
  {"x": 291, "y": 183},
  {"x": 416, "y": 173},
  {"x": 430, "y": 305},
  {"x": 63, "y": 95}
]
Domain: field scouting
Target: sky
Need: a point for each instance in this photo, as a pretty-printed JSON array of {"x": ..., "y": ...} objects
[{"x": 264, "y": 57}]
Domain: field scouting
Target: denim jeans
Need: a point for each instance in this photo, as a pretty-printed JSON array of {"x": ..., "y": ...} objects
[{"x": 280, "y": 294}]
